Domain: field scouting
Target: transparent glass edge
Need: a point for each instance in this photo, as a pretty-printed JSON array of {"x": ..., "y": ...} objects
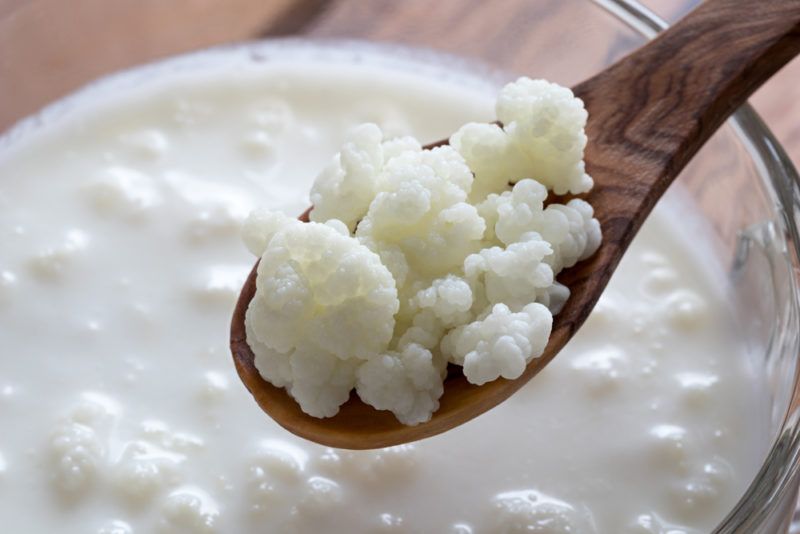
[{"x": 777, "y": 476}]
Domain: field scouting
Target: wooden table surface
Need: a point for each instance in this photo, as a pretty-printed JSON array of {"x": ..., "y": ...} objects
[
  {"x": 778, "y": 101},
  {"x": 56, "y": 36}
]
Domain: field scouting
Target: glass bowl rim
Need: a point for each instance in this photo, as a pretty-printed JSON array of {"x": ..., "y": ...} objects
[
  {"x": 777, "y": 474},
  {"x": 782, "y": 463}
]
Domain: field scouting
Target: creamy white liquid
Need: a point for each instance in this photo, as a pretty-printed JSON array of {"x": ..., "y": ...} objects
[{"x": 120, "y": 261}]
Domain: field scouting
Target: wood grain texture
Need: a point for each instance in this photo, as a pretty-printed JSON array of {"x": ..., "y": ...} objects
[
  {"x": 41, "y": 59},
  {"x": 778, "y": 102},
  {"x": 649, "y": 114},
  {"x": 49, "y": 48}
]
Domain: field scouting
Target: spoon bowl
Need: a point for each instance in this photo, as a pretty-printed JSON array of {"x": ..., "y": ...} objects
[{"x": 649, "y": 114}]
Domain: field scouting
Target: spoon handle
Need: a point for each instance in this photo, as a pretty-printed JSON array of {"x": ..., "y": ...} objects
[
  {"x": 651, "y": 112},
  {"x": 654, "y": 109}
]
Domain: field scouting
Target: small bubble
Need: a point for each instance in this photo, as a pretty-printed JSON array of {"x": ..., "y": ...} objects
[
  {"x": 215, "y": 386},
  {"x": 390, "y": 522},
  {"x": 125, "y": 192},
  {"x": 686, "y": 310},
  {"x": 697, "y": 389},
  {"x": 654, "y": 259},
  {"x": 660, "y": 281},
  {"x": 271, "y": 115},
  {"x": 602, "y": 369},
  {"x": 518, "y": 511},
  {"x": 149, "y": 144},
  {"x": 258, "y": 143},
  {"x": 115, "y": 527},
  {"x": 322, "y": 494},
  {"x": 669, "y": 445},
  {"x": 220, "y": 284},
  {"x": 51, "y": 263}
]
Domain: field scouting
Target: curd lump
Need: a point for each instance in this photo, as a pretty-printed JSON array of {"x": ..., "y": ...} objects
[
  {"x": 121, "y": 212},
  {"x": 474, "y": 279}
]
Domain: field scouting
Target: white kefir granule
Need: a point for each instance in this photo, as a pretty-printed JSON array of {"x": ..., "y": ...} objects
[
  {"x": 324, "y": 303},
  {"x": 123, "y": 413},
  {"x": 542, "y": 138},
  {"x": 476, "y": 281}
]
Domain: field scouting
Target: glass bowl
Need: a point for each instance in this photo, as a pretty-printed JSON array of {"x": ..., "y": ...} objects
[{"x": 49, "y": 48}]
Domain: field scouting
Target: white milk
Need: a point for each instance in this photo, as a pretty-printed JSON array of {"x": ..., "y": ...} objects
[{"x": 119, "y": 266}]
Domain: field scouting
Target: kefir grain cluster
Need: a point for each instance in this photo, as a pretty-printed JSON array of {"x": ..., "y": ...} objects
[{"x": 426, "y": 257}]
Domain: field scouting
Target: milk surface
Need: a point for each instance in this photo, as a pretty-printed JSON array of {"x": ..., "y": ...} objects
[{"x": 120, "y": 261}]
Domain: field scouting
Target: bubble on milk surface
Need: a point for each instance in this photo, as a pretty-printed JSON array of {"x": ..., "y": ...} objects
[
  {"x": 147, "y": 144},
  {"x": 53, "y": 263},
  {"x": 123, "y": 192},
  {"x": 529, "y": 511},
  {"x": 189, "y": 510},
  {"x": 115, "y": 527}
]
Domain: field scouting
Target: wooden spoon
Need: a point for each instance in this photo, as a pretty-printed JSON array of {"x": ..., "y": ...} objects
[{"x": 649, "y": 114}]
